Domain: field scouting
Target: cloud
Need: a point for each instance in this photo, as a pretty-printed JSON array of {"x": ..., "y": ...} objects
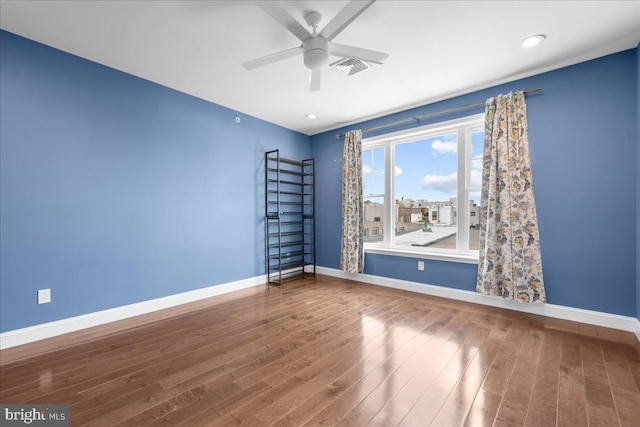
[
  {"x": 444, "y": 147},
  {"x": 476, "y": 164},
  {"x": 444, "y": 183},
  {"x": 398, "y": 170},
  {"x": 366, "y": 169},
  {"x": 476, "y": 179},
  {"x": 447, "y": 183}
]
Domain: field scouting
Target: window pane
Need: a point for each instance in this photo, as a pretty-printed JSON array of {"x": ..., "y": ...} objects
[
  {"x": 475, "y": 170},
  {"x": 477, "y": 142},
  {"x": 474, "y": 221},
  {"x": 373, "y": 171},
  {"x": 425, "y": 191},
  {"x": 373, "y": 220}
]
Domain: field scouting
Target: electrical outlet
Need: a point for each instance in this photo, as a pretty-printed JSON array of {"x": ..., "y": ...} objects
[
  {"x": 44, "y": 296},
  {"x": 420, "y": 265}
]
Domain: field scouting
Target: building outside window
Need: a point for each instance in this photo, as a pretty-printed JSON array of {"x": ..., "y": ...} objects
[{"x": 422, "y": 188}]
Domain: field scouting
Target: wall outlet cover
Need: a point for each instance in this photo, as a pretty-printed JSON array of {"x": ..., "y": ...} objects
[{"x": 44, "y": 296}]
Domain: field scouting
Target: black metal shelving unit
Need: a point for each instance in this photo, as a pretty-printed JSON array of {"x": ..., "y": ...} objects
[{"x": 289, "y": 217}]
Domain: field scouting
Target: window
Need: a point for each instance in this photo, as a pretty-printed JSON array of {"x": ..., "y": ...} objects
[
  {"x": 422, "y": 189},
  {"x": 373, "y": 182}
]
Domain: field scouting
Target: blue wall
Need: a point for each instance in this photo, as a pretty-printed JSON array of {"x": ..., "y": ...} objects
[
  {"x": 582, "y": 131},
  {"x": 116, "y": 190},
  {"x": 638, "y": 185}
]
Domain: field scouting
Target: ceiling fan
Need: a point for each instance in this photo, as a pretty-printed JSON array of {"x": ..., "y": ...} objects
[{"x": 316, "y": 47}]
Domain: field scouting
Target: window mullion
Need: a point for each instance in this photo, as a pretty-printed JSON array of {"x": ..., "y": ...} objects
[
  {"x": 389, "y": 196},
  {"x": 462, "y": 202}
]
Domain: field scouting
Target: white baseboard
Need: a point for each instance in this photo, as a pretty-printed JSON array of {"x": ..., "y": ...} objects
[
  {"x": 51, "y": 329},
  {"x": 72, "y": 324},
  {"x": 598, "y": 318}
]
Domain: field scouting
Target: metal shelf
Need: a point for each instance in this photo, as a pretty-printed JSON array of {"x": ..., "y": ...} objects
[
  {"x": 286, "y": 161},
  {"x": 287, "y": 203},
  {"x": 287, "y": 192},
  {"x": 289, "y": 171},
  {"x": 290, "y": 255},
  {"x": 287, "y": 265},
  {"x": 288, "y": 244},
  {"x": 274, "y": 215},
  {"x": 289, "y": 233},
  {"x": 289, "y": 214},
  {"x": 282, "y": 181}
]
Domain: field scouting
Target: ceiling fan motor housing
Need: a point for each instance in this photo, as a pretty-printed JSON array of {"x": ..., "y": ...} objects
[{"x": 316, "y": 52}]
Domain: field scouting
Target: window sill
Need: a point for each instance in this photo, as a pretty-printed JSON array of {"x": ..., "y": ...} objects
[{"x": 467, "y": 259}]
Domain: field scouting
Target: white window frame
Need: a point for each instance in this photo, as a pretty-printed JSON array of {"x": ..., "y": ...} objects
[{"x": 388, "y": 141}]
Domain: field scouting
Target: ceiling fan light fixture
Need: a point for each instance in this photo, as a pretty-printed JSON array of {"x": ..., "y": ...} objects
[
  {"x": 533, "y": 40},
  {"x": 315, "y": 59},
  {"x": 316, "y": 52}
]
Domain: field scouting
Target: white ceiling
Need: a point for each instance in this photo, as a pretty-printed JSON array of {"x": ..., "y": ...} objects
[{"x": 438, "y": 49}]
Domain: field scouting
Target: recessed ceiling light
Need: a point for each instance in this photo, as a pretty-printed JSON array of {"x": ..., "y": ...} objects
[
  {"x": 310, "y": 116},
  {"x": 533, "y": 40}
]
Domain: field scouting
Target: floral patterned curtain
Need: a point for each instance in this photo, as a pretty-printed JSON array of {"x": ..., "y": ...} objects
[
  {"x": 510, "y": 264},
  {"x": 352, "y": 251}
]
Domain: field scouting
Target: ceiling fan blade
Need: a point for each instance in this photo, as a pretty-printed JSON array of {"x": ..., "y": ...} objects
[
  {"x": 357, "y": 53},
  {"x": 314, "y": 80},
  {"x": 345, "y": 17},
  {"x": 278, "y": 13},
  {"x": 274, "y": 57}
]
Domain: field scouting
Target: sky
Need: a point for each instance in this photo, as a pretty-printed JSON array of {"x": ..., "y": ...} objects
[{"x": 424, "y": 169}]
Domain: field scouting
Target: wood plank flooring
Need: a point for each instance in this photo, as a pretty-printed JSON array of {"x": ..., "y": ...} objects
[{"x": 328, "y": 351}]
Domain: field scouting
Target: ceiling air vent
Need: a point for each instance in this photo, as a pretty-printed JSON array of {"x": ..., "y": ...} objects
[{"x": 350, "y": 66}]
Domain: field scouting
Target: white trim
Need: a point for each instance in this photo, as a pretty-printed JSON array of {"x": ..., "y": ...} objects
[
  {"x": 423, "y": 132},
  {"x": 598, "y": 318},
  {"x": 462, "y": 127},
  {"x": 51, "y": 329},
  {"x": 47, "y": 330},
  {"x": 407, "y": 253}
]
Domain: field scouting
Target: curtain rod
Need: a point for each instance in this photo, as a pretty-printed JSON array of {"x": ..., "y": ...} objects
[{"x": 448, "y": 110}]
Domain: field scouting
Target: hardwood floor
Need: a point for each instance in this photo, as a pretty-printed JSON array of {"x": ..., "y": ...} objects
[{"x": 333, "y": 352}]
